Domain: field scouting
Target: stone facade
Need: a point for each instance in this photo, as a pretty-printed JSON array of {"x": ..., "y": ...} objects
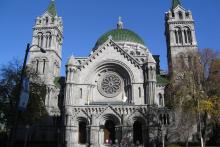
[{"x": 113, "y": 95}]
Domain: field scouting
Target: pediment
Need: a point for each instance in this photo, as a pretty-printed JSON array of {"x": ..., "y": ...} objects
[
  {"x": 179, "y": 8},
  {"x": 114, "y": 46},
  {"x": 108, "y": 110}
]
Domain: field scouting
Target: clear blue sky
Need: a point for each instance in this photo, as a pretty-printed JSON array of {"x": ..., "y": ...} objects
[{"x": 86, "y": 20}]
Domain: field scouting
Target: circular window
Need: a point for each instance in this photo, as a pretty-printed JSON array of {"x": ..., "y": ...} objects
[{"x": 110, "y": 85}]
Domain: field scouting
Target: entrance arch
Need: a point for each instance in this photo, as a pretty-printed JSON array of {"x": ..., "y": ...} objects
[
  {"x": 137, "y": 132},
  {"x": 109, "y": 132}
]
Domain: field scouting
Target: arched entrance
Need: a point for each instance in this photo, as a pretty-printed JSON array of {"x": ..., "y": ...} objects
[
  {"x": 137, "y": 132},
  {"x": 109, "y": 132},
  {"x": 82, "y": 130}
]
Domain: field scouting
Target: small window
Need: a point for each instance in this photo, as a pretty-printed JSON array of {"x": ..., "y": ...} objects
[
  {"x": 187, "y": 14},
  {"x": 160, "y": 99},
  {"x": 37, "y": 65},
  {"x": 44, "y": 65},
  {"x": 180, "y": 36},
  {"x": 139, "y": 91},
  {"x": 176, "y": 37},
  {"x": 80, "y": 93},
  {"x": 173, "y": 14},
  {"x": 189, "y": 33},
  {"x": 185, "y": 36},
  {"x": 47, "y": 20},
  {"x": 180, "y": 15}
]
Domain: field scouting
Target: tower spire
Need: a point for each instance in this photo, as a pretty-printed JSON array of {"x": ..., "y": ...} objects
[
  {"x": 120, "y": 23},
  {"x": 52, "y": 8},
  {"x": 175, "y": 3}
]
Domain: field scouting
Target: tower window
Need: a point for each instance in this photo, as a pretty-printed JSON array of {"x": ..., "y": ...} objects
[
  {"x": 189, "y": 34},
  {"x": 44, "y": 65},
  {"x": 180, "y": 37},
  {"x": 47, "y": 20},
  {"x": 40, "y": 39},
  {"x": 176, "y": 37},
  {"x": 187, "y": 14},
  {"x": 173, "y": 14},
  {"x": 48, "y": 39},
  {"x": 185, "y": 36},
  {"x": 180, "y": 15},
  {"x": 37, "y": 65}
]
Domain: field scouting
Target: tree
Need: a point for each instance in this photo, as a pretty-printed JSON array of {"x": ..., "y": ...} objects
[
  {"x": 9, "y": 95},
  {"x": 194, "y": 92}
]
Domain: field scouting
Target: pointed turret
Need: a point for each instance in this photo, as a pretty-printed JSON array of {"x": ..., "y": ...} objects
[
  {"x": 175, "y": 3},
  {"x": 52, "y": 8}
]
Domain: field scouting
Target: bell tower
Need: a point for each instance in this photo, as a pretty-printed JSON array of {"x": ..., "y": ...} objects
[
  {"x": 180, "y": 36},
  {"x": 48, "y": 34}
]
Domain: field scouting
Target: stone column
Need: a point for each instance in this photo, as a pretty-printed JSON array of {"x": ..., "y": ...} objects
[
  {"x": 71, "y": 136},
  {"x": 94, "y": 136},
  {"x": 101, "y": 137}
]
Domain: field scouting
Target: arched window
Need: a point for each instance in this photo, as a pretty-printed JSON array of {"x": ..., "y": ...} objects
[
  {"x": 47, "y": 20},
  {"x": 180, "y": 15},
  {"x": 173, "y": 14},
  {"x": 48, "y": 39},
  {"x": 37, "y": 66},
  {"x": 185, "y": 36},
  {"x": 44, "y": 65},
  {"x": 180, "y": 37},
  {"x": 80, "y": 92},
  {"x": 176, "y": 37},
  {"x": 160, "y": 99},
  {"x": 139, "y": 91},
  {"x": 187, "y": 14},
  {"x": 189, "y": 34},
  {"x": 40, "y": 39}
]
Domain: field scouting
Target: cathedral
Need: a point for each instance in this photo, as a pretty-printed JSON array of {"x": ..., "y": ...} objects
[{"x": 115, "y": 95}]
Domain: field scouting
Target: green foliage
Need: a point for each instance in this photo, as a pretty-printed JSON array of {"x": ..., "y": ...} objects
[{"x": 9, "y": 95}]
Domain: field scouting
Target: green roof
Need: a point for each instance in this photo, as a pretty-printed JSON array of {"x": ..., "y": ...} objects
[
  {"x": 118, "y": 35},
  {"x": 175, "y": 3},
  {"x": 52, "y": 8}
]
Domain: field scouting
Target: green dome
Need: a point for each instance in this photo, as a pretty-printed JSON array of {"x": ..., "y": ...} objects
[{"x": 120, "y": 35}]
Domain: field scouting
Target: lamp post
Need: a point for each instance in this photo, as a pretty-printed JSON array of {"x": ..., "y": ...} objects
[{"x": 14, "y": 127}]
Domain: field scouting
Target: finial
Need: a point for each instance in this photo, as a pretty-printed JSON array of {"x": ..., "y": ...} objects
[{"x": 120, "y": 23}]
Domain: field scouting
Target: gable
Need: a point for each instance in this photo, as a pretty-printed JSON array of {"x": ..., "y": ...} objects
[{"x": 108, "y": 45}]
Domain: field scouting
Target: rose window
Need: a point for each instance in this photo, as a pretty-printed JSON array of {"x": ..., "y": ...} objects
[{"x": 110, "y": 85}]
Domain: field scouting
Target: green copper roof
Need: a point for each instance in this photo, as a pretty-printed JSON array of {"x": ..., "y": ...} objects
[
  {"x": 175, "y": 3},
  {"x": 120, "y": 35},
  {"x": 52, "y": 8}
]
